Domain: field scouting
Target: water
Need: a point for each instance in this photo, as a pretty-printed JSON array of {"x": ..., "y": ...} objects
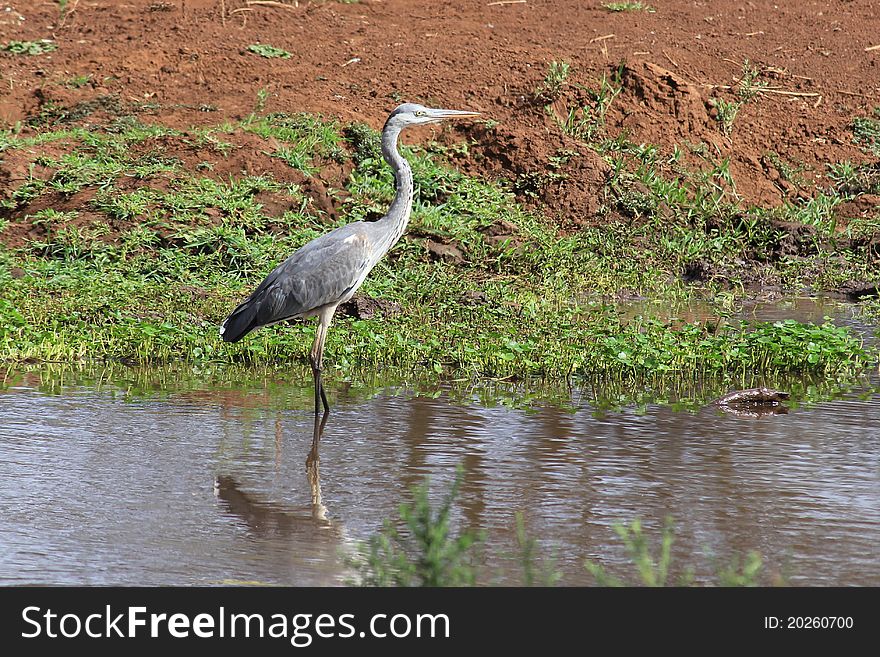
[
  {"x": 768, "y": 308},
  {"x": 165, "y": 479}
]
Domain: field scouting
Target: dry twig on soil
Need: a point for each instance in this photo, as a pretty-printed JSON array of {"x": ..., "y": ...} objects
[{"x": 270, "y": 3}]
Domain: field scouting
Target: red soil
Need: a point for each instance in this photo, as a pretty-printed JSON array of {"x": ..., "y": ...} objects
[{"x": 357, "y": 61}]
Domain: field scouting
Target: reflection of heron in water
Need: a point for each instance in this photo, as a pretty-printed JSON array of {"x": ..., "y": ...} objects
[
  {"x": 313, "y": 469},
  {"x": 260, "y": 514}
]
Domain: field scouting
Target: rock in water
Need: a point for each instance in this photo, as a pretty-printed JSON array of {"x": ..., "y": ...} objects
[{"x": 753, "y": 402}]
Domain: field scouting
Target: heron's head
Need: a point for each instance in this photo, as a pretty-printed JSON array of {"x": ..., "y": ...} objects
[{"x": 413, "y": 114}]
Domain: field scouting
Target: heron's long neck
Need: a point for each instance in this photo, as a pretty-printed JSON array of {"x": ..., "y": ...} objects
[{"x": 399, "y": 212}]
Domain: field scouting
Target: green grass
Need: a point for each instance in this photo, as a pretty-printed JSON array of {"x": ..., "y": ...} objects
[
  {"x": 850, "y": 179},
  {"x": 168, "y": 250},
  {"x": 627, "y": 6},
  {"x": 747, "y": 88},
  {"x": 40, "y": 47},
  {"x": 77, "y": 81},
  {"x": 685, "y": 208},
  {"x": 870, "y": 310},
  {"x": 653, "y": 567},
  {"x": 287, "y": 386},
  {"x": 866, "y": 132},
  {"x": 789, "y": 171},
  {"x": 305, "y": 137},
  {"x": 424, "y": 552},
  {"x": 587, "y": 123},
  {"x": 270, "y": 52},
  {"x": 554, "y": 81}
]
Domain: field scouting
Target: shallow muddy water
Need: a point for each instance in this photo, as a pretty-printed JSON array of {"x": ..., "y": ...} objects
[
  {"x": 165, "y": 479},
  {"x": 771, "y": 308}
]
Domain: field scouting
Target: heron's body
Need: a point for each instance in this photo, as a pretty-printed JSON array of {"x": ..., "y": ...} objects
[
  {"x": 321, "y": 275},
  {"x": 329, "y": 270}
]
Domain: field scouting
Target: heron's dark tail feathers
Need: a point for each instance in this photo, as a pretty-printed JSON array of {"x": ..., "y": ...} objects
[{"x": 240, "y": 322}]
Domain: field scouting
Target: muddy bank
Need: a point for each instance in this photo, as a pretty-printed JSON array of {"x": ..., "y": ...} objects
[{"x": 188, "y": 62}]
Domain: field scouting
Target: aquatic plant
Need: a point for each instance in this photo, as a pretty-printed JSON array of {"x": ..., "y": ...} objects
[
  {"x": 654, "y": 570},
  {"x": 423, "y": 552}
]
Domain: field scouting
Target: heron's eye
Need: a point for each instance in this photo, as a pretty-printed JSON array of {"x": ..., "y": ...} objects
[{"x": 420, "y": 113}]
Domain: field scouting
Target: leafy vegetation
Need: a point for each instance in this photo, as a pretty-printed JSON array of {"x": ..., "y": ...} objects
[
  {"x": 850, "y": 179},
  {"x": 747, "y": 88},
  {"x": 130, "y": 254},
  {"x": 653, "y": 571},
  {"x": 270, "y": 52},
  {"x": 556, "y": 78},
  {"x": 420, "y": 550},
  {"x": 40, "y": 47},
  {"x": 627, "y": 6},
  {"x": 78, "y": 81},
  {"x": 587, "y": 123},
  {"x": 424, "y": 553},
  {"x": 866, "y": 132},
  {"x": 684, "y": 207}
]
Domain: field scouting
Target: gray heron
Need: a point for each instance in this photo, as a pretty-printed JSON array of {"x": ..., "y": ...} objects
[{"x": 328, "y": 270}]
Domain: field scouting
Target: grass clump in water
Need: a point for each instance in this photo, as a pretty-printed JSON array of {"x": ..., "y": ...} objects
[
  {"x": 654, "y": 569},
  {"x": 425, "y": 553},
  {"x": 420, "y": 550}
]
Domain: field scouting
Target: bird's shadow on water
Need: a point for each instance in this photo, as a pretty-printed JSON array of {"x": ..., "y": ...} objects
[{"x": 265, "y": 517}]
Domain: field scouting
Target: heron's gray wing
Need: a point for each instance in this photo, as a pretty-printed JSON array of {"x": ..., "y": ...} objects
[{"x": 322, "y": 272}]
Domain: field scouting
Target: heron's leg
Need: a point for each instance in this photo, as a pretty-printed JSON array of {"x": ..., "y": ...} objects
[
  {"x": 317, "y": 358},
  {"x": 316, "y": 374},
  {"x": 324, "y": 398}
]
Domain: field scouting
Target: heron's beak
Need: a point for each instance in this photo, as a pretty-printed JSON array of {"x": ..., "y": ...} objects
[{"x": 440, "y": 114}]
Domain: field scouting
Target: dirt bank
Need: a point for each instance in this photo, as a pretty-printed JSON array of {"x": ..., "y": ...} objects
[{"x": 188, "y": 62}]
